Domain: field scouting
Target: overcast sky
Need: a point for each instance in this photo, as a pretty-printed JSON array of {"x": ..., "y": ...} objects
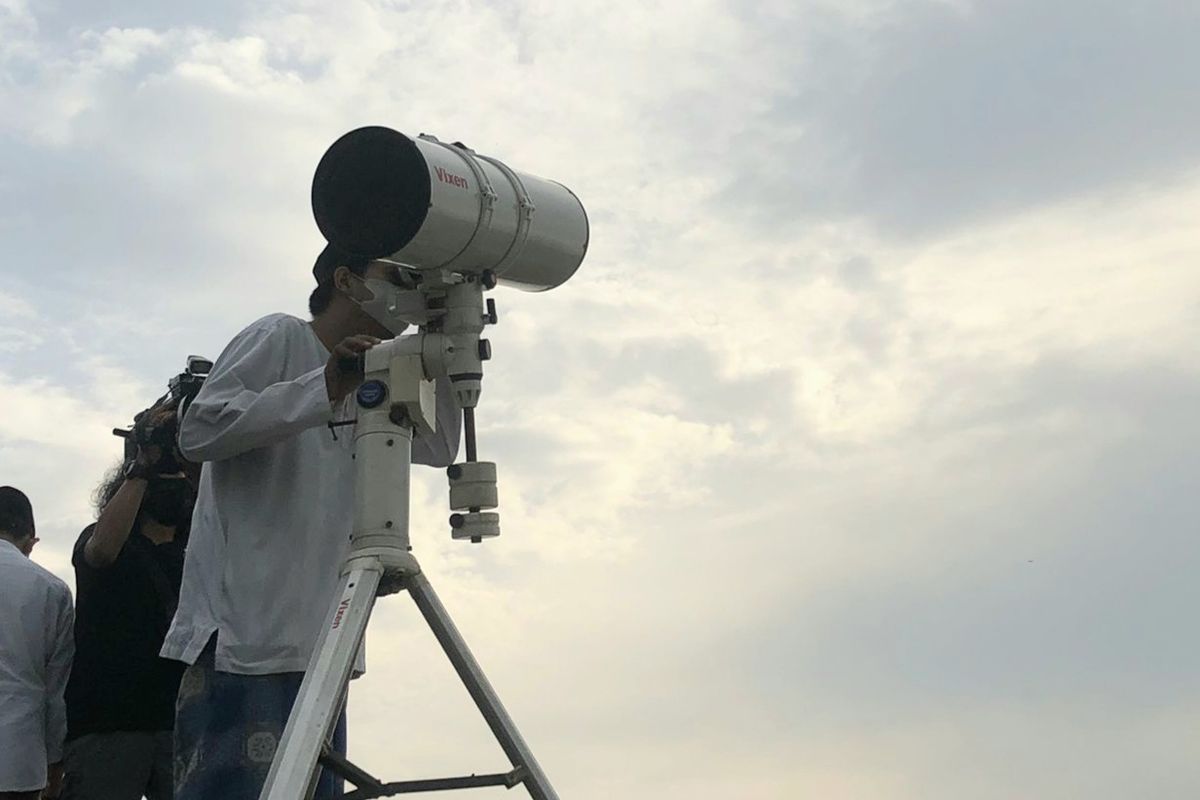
[{"x": 860, "y": 458}]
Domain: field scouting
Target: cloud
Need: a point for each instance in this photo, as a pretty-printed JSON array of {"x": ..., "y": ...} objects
[{"x": 922, "y": 117}]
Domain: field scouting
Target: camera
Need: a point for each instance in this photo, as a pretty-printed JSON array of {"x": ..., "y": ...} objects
[
  {"x": 181, "y": 390},
  {"x": 184, "y": 387}
]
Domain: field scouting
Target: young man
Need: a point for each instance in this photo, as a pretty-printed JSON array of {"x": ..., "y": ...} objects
[
  {"x": 35, "y": 659},
  {"x": 128, "y": 567},
  {"x": 272, "y": 525}
]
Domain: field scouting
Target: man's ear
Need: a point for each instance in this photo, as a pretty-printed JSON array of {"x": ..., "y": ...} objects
[
  {"x": 342, "y": 278},
  {"x": 349, "y": 284}
]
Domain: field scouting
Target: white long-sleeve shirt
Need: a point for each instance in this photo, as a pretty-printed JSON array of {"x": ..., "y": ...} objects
[
  {"x": 36, "y": 647},
  {"x": 274, "y": 509}
]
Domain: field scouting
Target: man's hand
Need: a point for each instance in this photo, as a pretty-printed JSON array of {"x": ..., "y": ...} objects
[
  {"x": 54, "y": 781},
  {"x": 343, "y": 371},
  {"x": 150, "y": 453}
]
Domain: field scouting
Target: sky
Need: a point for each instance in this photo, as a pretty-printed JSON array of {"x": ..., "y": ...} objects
[{"x": 853, "y": 463}]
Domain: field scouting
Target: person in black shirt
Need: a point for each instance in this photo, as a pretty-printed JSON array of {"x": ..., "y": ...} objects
[{"x": 128, "y": 568}]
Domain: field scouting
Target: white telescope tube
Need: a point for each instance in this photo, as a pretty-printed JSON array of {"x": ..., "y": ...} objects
[{"x": 430, "y": 205}]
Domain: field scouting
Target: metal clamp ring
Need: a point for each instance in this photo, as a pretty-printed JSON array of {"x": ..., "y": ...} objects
[
  {"x": 524, "y": 219},
  {"x": 487, "y": 193}
]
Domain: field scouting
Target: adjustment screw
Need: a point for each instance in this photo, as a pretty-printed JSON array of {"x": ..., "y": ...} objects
[
  {"x": 485, "y": 350},
  {"x": 454, "y": 472},
  {"x": 490, "y": 317},
  {"x": 488, "y": 279},
  {"x": 456, "y": 520}
]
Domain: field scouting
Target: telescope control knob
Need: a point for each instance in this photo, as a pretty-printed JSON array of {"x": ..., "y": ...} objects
[
  {"x": 485, "y": 350},
  {"x": 490, "y": 317}
]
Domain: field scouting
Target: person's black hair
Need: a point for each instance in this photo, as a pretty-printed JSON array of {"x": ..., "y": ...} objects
[
  {"x": 329, "y": 260},
  {"x": 109, "y": 486},
  {"x": 16, "y": 514}
]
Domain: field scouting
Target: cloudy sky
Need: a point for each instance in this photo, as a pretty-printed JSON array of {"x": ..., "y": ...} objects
[{"x": 854, "y": 463}]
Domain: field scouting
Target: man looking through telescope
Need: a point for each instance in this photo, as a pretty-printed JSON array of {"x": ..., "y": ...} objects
[{"x": 272, "y": 521}]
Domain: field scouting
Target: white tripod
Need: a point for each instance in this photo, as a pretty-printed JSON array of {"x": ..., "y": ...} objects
[{"x": 396, "y": 399}]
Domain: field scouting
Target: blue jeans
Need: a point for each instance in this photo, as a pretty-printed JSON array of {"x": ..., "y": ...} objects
[{"x": 227, "y": 728}]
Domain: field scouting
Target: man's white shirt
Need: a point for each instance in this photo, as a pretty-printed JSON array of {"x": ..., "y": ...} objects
[
  {"x": 274, "y": 509},
  {"x": 36, "y": 647}
]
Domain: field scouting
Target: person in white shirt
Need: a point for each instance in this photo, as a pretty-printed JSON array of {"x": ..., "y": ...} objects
[
  {"x": 36, "y": 647},
  {"x": 271, "y": 525}
]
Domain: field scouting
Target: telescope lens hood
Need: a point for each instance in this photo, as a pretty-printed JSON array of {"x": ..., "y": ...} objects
[{"x": 370, "y": 194}]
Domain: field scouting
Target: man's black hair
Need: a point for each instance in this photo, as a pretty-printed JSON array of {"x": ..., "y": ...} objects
[
  {"x": 327, "y": 263},
  {"x": 16, "y": 514}
]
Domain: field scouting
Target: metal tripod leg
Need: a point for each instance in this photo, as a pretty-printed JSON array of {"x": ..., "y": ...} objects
[
  {"x": 294, "y": 772},
  {"x": 503, "y": 728},
  {"x": 380, "y": 544}
]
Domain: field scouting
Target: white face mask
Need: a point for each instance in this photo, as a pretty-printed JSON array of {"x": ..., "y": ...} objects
[{"x": 392, "y": 307}]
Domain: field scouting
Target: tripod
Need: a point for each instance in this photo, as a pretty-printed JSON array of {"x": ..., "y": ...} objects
[{"x": 395, "y": 400}]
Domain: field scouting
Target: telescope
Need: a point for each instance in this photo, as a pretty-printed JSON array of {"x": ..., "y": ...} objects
[
  {"x": 465, "y": 223},
  {"x": 431, "y": 205}
]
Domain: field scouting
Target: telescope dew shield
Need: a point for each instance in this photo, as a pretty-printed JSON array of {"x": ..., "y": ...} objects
[{"x": 430, "y": 205}]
